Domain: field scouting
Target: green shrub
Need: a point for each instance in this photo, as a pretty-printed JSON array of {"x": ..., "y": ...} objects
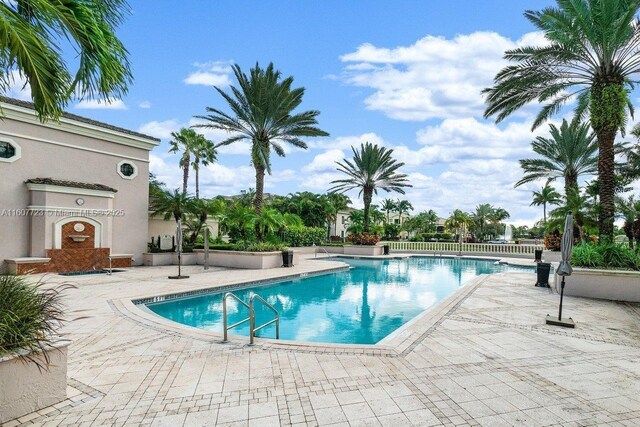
[
  {"x": 363, "y": 239},
  {"x": 258, "y": 247},
  {"x": 304, "y": 236},
  {"x": 605, "y": 255},
  {"x": 30, "y": 316}
]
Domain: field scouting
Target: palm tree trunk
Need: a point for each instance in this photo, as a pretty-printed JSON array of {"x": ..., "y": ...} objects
[
  {"x": 367, "y": 195},
  {"x": 608, "y": 102},
  {"x": 544, "y": 213},
  {"x": 570, "y": 183},
  {"x": 185, "y": 177},
  {"x": 607, "y": 181},
  {"x": 197, "y": 171},
  {"x": 257, "y": 200}
]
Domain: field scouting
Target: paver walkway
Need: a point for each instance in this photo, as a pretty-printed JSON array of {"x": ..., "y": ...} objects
[{"x": 489, "y": 360}]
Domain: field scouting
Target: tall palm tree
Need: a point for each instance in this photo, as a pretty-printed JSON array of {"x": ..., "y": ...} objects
[
  {"x": 403, "y": 207},
  {"x": 187, "y": 142},
  {"x": 371, "y": 168},
  {"x": 204, "y": 154},
  {"x": 388, "y": 205},
  {"x": 570, "y": 153},
  {"x": 29, "y": 43},
  {"x": 592, "y": 55},
  {"x": 546, "y": 196},
  {"x": 262, "y": 112}
]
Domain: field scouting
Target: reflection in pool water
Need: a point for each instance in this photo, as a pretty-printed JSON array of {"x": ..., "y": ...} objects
[{"x": 358, "y": 306}]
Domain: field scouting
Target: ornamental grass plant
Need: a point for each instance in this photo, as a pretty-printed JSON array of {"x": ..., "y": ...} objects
[{"x": 30, "y": 316}]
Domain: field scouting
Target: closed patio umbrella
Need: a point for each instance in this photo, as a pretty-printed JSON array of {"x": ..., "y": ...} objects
[
  {"x": 564, "y": 270},
  {"x": 179, "y": 249}
]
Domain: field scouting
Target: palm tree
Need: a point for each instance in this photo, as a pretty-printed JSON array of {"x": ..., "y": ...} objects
[
  {"x": 570, "y": 153},
  {"x": 403, "y": 207},
  {"x": 578, "y": 204},
  {"x": 458, "y": 221},
  {"x": 31, "y": 32},
  {"x": 482, "y": 215},
  {"x": 546, "y": 196},
  {"x": 168, "y": 204},
  {"x": 388, "y": 205},
  {"x": 188, "y": 142},
  {"x": 592, "y": 55},
  {"x": 263, "y": 113},
  {"x": 204, "y": 154},
  {"x": 336, "y": 203},
  {"x": 630, "y": 212},
  {"x": 372, "y": 168}
]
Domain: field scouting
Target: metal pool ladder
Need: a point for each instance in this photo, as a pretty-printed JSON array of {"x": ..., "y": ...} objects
[{"x": 252, "y": 316}]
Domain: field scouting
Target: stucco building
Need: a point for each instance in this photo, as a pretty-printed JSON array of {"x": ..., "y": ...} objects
[{"x": 74, "y": 193}]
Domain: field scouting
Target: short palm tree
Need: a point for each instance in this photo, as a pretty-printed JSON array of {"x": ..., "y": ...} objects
[
  {"x": 458, "y": 221},
  {"x": 372, "y": 168},
  {"x": 546, "y": 196},
  {"x": 335, "y": 203},
  {"x": 592, "y": 55},
  {"x": 168, "y": 204},
  {"x": 629, "y": 209},
  {"x": 570, "y": 152},
  {"x": 29, "y": 42},
  {"x": 403, "y": 207},
  {"x": 481, "y": 217},
  {"x": 262, "y": 112},
  {"x": 189, "y": 142},
  {"x": 388, "y": 205}
]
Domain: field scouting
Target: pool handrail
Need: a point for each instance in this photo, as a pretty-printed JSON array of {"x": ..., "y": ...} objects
[
  {"x": 252, "y": 323},
  {"x": 224, "y": 314}
]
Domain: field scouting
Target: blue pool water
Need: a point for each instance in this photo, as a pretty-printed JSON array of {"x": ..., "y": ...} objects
[{"x": 357, "y": 306}]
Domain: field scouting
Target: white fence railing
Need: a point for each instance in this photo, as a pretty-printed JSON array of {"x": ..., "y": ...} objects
[{"x": 466, "y": 247}]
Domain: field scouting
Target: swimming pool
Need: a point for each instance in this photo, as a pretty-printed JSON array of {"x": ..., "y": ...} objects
[{"x": 361, "y": 305}]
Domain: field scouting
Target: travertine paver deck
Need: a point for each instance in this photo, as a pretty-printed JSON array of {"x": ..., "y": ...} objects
[{"x": 484, "y": 358}]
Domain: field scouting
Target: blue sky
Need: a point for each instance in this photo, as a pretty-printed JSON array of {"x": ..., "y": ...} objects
[{"x": 406, "y": 74}]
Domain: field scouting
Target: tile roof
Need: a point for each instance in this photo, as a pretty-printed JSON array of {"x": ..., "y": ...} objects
[
  {"x": 81, "y": 119},
  {"x": 64, "y": 183}
]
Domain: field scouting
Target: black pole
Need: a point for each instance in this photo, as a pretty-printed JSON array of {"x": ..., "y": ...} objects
[
  {"x": 180, "y": 264},
  {"x": 561, "y": 295}
]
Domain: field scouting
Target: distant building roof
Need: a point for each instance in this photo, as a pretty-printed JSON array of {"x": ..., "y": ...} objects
[
  {"x": 63, "y": 183},
  {"x": 81, "y": 119}
]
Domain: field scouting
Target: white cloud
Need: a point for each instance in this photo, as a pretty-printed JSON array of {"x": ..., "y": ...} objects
[
  {"x": 145, "y": 105},
  {"x": 325, "y": 161},
  {"x": 101, "y": 104},
  {"x": 215, "y": 73},
  {"x": 160, "y": 129},
  {"x": 18, "y": 87},
  {"x": 432, "y": 78},
  {"x": 346, "y": 142}
]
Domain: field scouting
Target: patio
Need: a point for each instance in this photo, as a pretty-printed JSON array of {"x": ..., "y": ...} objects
[{"x": 483, "y": 358}]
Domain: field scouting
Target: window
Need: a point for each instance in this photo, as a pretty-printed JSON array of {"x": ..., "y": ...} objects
[
  {"x": 127, "y": 169},
  {"x": 9, "y": 151}
]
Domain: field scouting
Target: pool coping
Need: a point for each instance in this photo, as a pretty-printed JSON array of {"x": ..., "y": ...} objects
[{"x": 398, "y": 342}]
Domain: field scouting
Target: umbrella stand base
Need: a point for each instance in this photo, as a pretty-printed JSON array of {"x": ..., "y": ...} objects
[
  {"x": 568, "y": 323},
  {"x": 178, "y": 277}
]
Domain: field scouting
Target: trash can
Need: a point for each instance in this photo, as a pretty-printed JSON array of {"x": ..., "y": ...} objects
[
  {"x": 543, "y": 270},
  {"x": 538, "y": 255},
  {"x": 287, "y": 258},
  {"x": 386, "y": 249}
]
